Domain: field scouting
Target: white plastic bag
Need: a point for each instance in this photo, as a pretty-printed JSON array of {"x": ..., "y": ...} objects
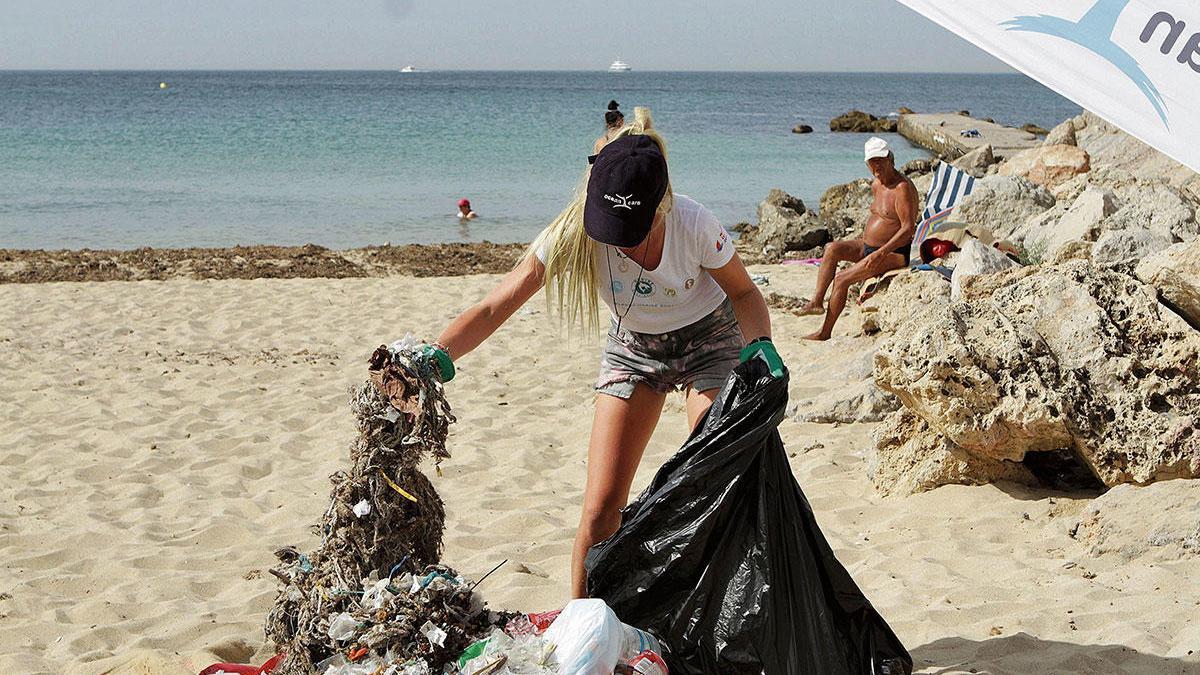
[
  {"x": 589, "y": 638},
  {"x": 343, "y": 627}
]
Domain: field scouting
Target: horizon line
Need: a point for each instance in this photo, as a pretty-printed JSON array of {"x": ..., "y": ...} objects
[{"x": 500, "y": 70}]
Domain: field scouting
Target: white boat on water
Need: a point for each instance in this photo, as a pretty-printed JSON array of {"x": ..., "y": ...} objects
[
  {"x": 619, "y": 66},
  {"x": 409, "y": 69}
]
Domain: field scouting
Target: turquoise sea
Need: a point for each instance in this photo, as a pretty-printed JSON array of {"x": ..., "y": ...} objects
[{"x": 343, "y": 159}]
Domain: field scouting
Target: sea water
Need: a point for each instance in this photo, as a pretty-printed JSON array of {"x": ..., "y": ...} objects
[{"x": 343, "y": 159}]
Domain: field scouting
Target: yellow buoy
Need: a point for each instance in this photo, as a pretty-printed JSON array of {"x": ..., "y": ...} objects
[{"x": 162, "y": 85}]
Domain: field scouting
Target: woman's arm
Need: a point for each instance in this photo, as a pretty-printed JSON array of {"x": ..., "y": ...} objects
[
  {"x": 748, "y": 304},
  {"x": 473, "y": 326}
]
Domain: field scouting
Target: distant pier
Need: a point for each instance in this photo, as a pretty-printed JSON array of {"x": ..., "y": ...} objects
[{"x": 941, "y": 133}]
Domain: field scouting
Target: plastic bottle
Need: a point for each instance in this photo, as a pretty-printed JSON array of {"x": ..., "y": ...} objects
[{"x": 635, "y": 641}]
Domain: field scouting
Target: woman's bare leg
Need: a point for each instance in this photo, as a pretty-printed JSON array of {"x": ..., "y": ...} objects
[
  {"x": 620, "y": 431},
  {"x": 698, "y": 403}
]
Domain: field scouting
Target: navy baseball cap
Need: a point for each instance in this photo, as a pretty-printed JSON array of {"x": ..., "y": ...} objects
[{"x": 628, "y": 180}]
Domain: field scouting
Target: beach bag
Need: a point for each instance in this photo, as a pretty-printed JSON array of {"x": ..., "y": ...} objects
[{"x": 721, "y": 559}]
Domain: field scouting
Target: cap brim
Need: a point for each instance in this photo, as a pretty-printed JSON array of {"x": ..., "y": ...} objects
[{"x": 876, "y": 155}]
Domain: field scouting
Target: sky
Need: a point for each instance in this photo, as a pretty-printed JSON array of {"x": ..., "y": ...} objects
[{"x": 801, "y": 35}]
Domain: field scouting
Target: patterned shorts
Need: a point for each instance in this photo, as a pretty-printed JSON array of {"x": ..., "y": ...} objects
[{"x": 700, "y": 356}]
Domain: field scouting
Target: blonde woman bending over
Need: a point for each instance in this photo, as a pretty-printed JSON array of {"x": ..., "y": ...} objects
[{"x": 683, "y": 311}]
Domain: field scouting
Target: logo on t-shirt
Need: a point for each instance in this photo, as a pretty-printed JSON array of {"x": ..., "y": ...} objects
[
  {"x": 687, "y": 285},
  {"x": 720, "y": 245},
  {"x": 644, "y": 287},
  {"x": 669, "y": 292},
  {"x": 617, "y": 286}
]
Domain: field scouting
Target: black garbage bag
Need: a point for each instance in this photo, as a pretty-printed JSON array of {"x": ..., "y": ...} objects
[{"x": 721, "y": 557}]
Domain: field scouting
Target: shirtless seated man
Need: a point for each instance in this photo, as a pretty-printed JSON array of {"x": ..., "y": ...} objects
[{"x": 885, "y": 241}]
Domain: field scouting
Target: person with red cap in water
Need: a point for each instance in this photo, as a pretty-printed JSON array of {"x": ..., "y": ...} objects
[{"x": 464, "y": 210}]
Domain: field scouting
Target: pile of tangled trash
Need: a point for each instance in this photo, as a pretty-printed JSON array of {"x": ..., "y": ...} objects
[{"x": 373, "y": 598}]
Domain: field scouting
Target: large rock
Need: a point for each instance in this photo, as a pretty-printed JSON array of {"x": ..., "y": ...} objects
[
  {"x": 845, "y": 207},
  {"x": 1063, "y": 134},
  {"x": 1048, "y": 165},
  {"x": 1002, "y": 203},
  {"x": 1175, "y": 272},
  {"x": 1108, "y": 145},
  {"x": 910, "y": 297},
  {"x": 910, "y": 457},
  {"x": 785, "y": 224},
  {"x": 917, "y": 167},
  {"x": 1115, "y": 247},
  {"x": 975, "y": 259},
  {"x": 1161, "y": 521},
  {"x": 977, "y": 161},
  {"x": 1072, "y": 360},
  {"x": 859, "y": 121},
  {"x": 1080, "y": 222},
  {"x": 1158, "y": 208}
]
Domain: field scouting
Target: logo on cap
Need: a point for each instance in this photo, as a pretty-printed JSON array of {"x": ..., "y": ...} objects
[{"x": 623, "y": 201}]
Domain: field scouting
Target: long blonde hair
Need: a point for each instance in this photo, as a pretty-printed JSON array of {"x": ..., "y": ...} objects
[{"x": 570, "y": 255}]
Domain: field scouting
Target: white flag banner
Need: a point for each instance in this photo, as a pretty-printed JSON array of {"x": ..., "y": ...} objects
[{"x": 1135, "y": 63}]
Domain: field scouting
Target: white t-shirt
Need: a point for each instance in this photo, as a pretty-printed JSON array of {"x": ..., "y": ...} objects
[{"x": 680, "y": 291}]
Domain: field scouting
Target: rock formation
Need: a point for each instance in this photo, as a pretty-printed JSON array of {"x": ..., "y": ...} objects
[
  {"x": 1048, "y": 165},
  {"x": 977, "y": 161},
  {"x": 1002, "y": 203},
  {"x": 1175, "y": 273},
  {"x": 785, "y": 225},
  {"x": 859, "y": 121},
  {"x": 1073, "y": 362}
]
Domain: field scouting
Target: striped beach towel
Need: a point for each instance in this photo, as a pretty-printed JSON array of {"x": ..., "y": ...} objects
[{"x": 950, "y": 186}]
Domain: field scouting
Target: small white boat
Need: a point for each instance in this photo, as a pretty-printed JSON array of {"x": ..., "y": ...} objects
[
  {"x": 409, "y": 69},
  {"x": 619, "y": 66}
]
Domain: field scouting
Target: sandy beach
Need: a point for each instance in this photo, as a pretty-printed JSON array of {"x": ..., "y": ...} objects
[{"x": 162, "y": 438}]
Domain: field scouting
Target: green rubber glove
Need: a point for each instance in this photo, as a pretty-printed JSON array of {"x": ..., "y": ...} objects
[
  {"x": 764, "y": 349},
  {"x": 441, "y": 358}
]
